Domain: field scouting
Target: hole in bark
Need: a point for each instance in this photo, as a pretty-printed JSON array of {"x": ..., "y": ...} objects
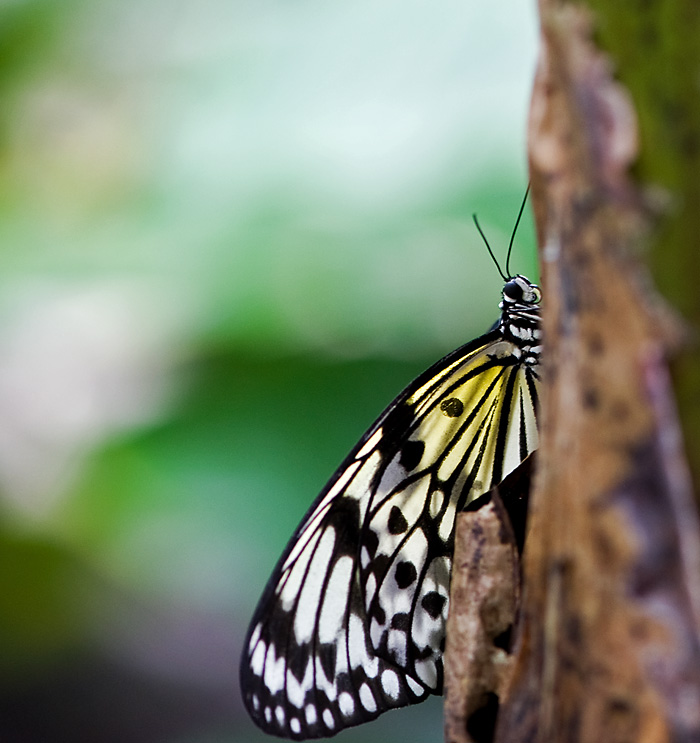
[
  {"x": 591, "y": 399},
  {"x": 481, "y": 724},
  {"x": 595, "y": 345},
  {"x": 503, "y": 640}
]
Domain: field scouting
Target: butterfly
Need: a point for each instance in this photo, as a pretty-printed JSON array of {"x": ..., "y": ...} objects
[{"x": 352, "y": 621}]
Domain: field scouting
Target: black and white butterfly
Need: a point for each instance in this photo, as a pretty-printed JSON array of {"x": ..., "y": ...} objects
[{"x": 352, "y": 621}]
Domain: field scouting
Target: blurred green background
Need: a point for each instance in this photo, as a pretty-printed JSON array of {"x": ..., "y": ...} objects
[{"x": 231, "y": 233}]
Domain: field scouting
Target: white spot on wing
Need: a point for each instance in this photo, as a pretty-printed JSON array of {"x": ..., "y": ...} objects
[
  {"x": 335, "y": 601},
  {"x": 311, "y": 716},
  {"x": 306, "y": 535},
  {"x": 340, "y": 483},
  {"x": 274, "y": 671},
  {"x": 370, "y": 444},
  {"x": 367, "y": 698},
  {"x": 530, "y": 420},
  {"x": 436, "y": 500},
  {"x": 357, "y": 648},
  {"x": 447, "y": 522},
  {"x": 346, "y": 704},
  {"x": 370, "y": 588},
  {"x": 294, "y": 579},
  {"x": 295, "y": 725},
  {"x": 324, "y": 683},
  {"x": 360, "y": 487},
  {"x": 511, "y": 458},
  {"x": 279, "y": 714},
  {"x": 341, "y": 659},
  {"x": 310, "y": 596},
  {"x": 415, "y": 687},
  {"x": 328, "y": 718},
  {"x": 396, "y": 645},
  {"x": 393, "y": 475},
  {"x": 390, "y": 684},
  {"x": 376, "y": 631},
  {"x": 296, "y": 690},
  {"x": 257, "y": 660},
  {"x": 426, "y": 670},
  {"x": 255, "y": 636}
]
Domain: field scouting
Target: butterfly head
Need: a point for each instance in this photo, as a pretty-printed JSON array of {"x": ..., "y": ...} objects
[{"x": 520, "y": 291}]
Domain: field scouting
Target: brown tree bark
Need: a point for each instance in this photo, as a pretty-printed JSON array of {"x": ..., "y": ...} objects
[
  {"x": 607, "y": 644},
  {"x": 484, "y": 597}
]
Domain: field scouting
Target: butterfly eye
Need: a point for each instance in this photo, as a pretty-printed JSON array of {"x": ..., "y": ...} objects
[
  {"x": 512, "y": 290},
  {"x": 536, "y": 294}
]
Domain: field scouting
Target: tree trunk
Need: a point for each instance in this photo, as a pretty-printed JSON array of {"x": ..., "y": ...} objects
[{"x": 606, "y": 645}]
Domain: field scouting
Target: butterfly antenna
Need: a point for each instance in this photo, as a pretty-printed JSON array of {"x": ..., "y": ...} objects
[
  {"x": 488, "y": 247},
  {"x": 515, "y": 229}
]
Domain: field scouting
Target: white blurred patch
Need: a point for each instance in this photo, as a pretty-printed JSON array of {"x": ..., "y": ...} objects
[{"x": 78, "y": 364}]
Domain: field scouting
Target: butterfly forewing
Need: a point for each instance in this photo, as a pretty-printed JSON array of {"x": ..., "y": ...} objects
[{"x": 352, "y": 622}]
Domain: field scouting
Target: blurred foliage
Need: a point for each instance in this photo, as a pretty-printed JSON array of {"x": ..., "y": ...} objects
[{"x": 231, "y": 233}]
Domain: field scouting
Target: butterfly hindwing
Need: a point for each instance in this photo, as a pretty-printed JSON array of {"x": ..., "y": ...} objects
[{"x": 352, "y": 622}]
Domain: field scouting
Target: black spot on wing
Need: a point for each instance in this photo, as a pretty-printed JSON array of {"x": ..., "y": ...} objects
[
  {"x": 401, "y": 621},
  {"x": 423, "y": 653},
  {"x": 433, "y": 602},
  {"x": 327, "y": 655},
  {"x": 371, "y": 541},
  {"x": 379, "y": 613},
  {"x": 380, "y": 566},
  {"x": 297, "y": 662},
  {"x": 453, "y": 407},
  {"x": 344, "y": 517},
  {"x": 398, "y": 421},
  {"x": 405, "y": 574},
  {"x": 411, "y": 454},
  {"x": 397, "y": 523}
]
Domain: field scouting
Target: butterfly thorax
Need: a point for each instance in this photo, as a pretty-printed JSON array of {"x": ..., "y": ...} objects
[{"x": 520, "y": 317}]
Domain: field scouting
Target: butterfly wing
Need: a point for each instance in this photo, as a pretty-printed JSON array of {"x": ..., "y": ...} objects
[{"x": 352, "y": 622}]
